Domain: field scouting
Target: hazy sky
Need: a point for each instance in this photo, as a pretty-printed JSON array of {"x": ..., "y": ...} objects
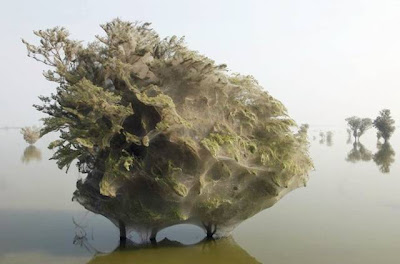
[{"x": 325, "y": 60}]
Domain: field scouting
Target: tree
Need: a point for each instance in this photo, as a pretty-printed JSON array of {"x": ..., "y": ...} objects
[
  {"x": 384, "y": 123},
  {"x": 358, "y": 126},
  {"x": 366, "y": 123},
  {"x": 156, "y": 126},
  {"x": 31, "y": 134}
]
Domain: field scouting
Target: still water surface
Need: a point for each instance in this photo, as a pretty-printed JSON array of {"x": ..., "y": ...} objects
[{"x": 348, "y": 213}]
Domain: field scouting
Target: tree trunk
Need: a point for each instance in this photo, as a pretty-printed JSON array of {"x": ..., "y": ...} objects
[
  {"x": 122, "y": 230},
  {"x": 153, "y": 236}
]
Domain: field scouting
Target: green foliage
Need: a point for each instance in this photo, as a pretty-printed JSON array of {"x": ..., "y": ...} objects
[
  {"x": 106, "y": 87},
  {"x": 366, "y": 123},
  {"x": 215, "y": 140},
  {"x": 358, "y": 125},
  {"x": 384, "y": 123}
]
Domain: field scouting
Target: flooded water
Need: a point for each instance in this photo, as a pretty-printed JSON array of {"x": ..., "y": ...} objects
[{"x": 348, "y": 213}]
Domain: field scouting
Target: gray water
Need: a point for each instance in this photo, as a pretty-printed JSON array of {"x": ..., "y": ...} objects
[{"x": 348, "y": 213}]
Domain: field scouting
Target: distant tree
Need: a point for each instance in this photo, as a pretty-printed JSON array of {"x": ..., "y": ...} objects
[
  {"x": 366, "y": 123},
  {"x": 304, "y": 129},
  {"x": 321, "y": 137},
  {"x": 329, "y": 138},
  {"x": 302, "y": 134},
  {"x": 384, "y": 123},
  {"x": 354, "y": 123},
  {"x": 358, "y": 126},
  {"x": 31, "y": 134},
  {"x": 384, "y": 157}
]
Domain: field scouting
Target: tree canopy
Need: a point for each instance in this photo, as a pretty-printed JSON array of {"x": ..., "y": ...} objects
[
  {"x": 30, "y": 134},
  {"x": 358, "y": 125},
  {"x": 384, "y": 123},
  {"x": 165, "y": 133}
]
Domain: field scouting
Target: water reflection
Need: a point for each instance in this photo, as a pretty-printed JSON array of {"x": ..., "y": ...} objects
[
  {"x": 329, "y": 138},
  {"x": 31, "y": 153},
  {"x": 324, "y": 138},
  {"x": 384, "y": 157},
  {"x": 349, "y": 136},
  {"x": 321, "y": 137},
  {"x": 224, "y": 250},
  {"x": 165, "y": 249},
  {"x": 39, "y": 230},
  {"x": 81, "y": 239},
  {"x": 358, "y": 153}
]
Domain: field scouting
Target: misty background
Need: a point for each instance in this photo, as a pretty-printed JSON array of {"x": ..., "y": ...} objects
[{"x": 325, "y": 60}]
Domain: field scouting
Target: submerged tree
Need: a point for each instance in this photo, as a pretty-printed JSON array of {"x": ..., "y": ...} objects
[
  {"x": 358, "y": 126},
  {"x": 354, "y": 123},
  {"x": 31, "y": 134},
  {"x": 384, "y": 157},
  {"x": 165, "y": 134},
  {"x": 384, "y": 123}
]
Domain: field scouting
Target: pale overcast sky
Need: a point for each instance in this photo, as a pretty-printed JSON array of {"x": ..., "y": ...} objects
[{"x": 325, "y": 60}]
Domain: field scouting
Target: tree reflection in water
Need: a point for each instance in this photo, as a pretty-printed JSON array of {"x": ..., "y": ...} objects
[
  {"x": 329, "y": 138},
  {"x": 224, "y": 250},
  {"x": 358, "y": 153},
  {"x": 31, "y": 153},
  {"x": 349, "y": 136},
  {"x": 384, "y": 157}
]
